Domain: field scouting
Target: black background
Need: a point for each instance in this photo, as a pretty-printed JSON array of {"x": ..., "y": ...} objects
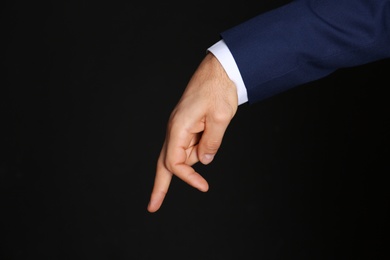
[{"x": 85, "y": 97}]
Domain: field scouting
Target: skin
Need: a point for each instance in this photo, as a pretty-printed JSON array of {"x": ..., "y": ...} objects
[{"x": 195, "y": 128}]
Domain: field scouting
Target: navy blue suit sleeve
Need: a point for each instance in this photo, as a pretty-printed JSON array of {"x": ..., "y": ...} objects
[{"x": 305, "y": 40}]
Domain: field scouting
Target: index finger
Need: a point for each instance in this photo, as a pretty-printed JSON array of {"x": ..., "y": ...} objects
[
  {"x": 178, "y": 167},
  {"x": 161, "y": 184}
]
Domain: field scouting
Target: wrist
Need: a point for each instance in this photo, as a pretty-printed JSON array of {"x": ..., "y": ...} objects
[
  {"x": 221, "y": 51},
  {"x": 223, "y": 93},
  {"x": 223, "y": 82}
]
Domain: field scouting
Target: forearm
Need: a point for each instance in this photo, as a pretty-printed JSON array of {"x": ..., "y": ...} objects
[{"x": 306, "y": 40}]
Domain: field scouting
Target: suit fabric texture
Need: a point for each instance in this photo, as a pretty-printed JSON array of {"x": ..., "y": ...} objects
[{"x": 307, "y": 39}]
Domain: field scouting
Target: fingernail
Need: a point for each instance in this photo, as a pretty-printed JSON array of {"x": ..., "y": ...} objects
[{"x": 207, "y": 158}]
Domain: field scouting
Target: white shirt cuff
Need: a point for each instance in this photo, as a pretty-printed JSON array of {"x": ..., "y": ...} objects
[{"x": 225, "y": 57}]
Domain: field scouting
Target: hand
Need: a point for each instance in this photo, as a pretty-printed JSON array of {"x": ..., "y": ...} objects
[{"x": 195, "y": 128}]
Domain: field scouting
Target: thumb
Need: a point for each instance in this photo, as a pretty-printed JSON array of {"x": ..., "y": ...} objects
[{"x": 211, "y": 139}]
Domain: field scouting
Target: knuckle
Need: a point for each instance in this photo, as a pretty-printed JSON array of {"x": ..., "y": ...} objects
[
  {"x": 221, "y": 117},
  {"x": 212, "y": 146},
  {"x": 168, "y": 165}
]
